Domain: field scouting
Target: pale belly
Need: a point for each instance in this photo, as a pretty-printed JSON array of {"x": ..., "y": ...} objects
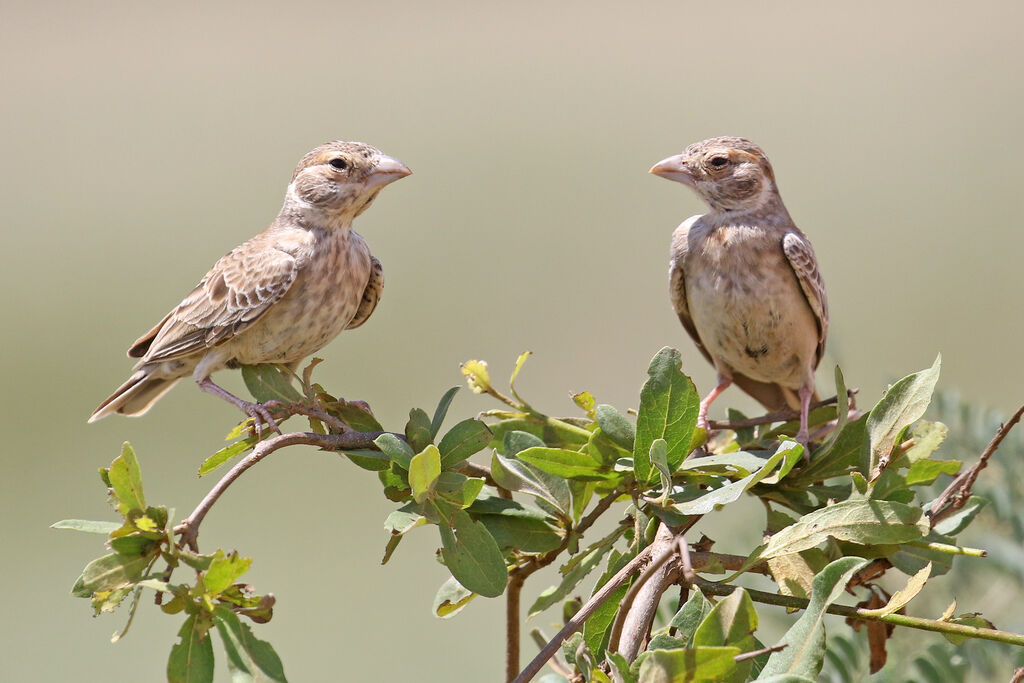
[
  {"x": 317, "y": 307},
  {"x": 763, "y": 329}
]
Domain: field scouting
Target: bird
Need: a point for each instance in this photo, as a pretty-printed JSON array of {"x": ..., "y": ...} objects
[
  {"x": 744, "y": 279},
  {"x": 278, "y": 297}
]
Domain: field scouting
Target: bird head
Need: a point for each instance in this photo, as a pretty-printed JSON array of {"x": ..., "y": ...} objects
[
  {"x": 729, "y": 174},
  {"x": 341, "y": 179}
]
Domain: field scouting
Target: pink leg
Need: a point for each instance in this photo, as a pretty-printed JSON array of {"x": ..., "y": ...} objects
[
  {"x": 805, "y": 407},
  {"x": 702, "y": 414},
  {"x": 257, "y": 412}
]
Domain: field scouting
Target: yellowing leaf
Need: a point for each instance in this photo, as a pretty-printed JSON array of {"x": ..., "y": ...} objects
[{"x": 477, "y": 377}]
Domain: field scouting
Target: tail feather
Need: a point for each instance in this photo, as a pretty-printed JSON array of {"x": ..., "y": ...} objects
[{"x": 135, "y": 396}]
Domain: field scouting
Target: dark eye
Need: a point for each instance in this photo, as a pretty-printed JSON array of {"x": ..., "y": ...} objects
[
  {"x": 719, "y": 162},
  {"x": 339, "y": 164}
]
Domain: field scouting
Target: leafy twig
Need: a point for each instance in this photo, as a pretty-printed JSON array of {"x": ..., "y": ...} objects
[
  {"x": 778, "y": 416},
  {"x": 712, "y": 588}
]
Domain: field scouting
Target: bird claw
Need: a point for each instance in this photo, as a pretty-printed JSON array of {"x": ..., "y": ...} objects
[{"x": 260, "y": 415}]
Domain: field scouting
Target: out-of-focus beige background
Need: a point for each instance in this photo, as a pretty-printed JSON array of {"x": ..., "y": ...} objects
[{"x": 140, "y": 141}]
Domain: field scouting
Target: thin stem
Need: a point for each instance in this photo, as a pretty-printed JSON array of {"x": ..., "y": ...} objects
[
  {"x": 515, "y": 587},
  {"x": 959, "y": 490},
  {"x": 576, "y": 623},
  {"x": 709, "y": 587},
  {"x": 950, "y": 549},
  {"x": 635, "y": 622}
]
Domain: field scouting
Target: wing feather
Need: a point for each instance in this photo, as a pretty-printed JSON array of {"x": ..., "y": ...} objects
[
  {"x": 801, "y": 259},
  {"x": 234, "y": 294}
]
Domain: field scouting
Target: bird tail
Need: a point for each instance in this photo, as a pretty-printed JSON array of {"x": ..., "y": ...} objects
[
  {"x": 772, "y": 396},
  {"x": 135, "y": 396}
]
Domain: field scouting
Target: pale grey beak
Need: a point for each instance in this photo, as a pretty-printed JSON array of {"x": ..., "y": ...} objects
[
  {"x": 673, "y": 168},
  {"x": 387, "y": 170}
]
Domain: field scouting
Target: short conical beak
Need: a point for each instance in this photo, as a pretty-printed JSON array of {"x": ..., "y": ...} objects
[
  {"x": 673, "y": 168},
  {"x": 387, "y": 170}
]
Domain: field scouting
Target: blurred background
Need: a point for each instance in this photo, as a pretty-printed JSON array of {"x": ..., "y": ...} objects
[{"x": 141, "y": 141}]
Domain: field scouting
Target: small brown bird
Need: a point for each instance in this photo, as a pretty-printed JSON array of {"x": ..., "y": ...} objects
[
  {"x": 744, "y": 280},
  {"x": 280, "y": 296}
]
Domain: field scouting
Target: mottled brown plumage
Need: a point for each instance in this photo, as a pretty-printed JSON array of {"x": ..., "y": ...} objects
[
  {"x": 744, "y": 279},
  {"x": 280, "y": 296}
]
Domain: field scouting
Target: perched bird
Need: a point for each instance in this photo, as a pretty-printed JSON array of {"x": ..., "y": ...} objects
[
  {"x": 278, "y": 297},
  {"x": 744, "y": 280}
]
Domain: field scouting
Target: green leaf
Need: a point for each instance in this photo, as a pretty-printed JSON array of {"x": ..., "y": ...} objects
[
  {"x": 111, "y": 571},
  {"x": 270, "y": 382},
  {"x": 417, "y": 430},
  {"x": 683, "y": 666},
  {"x": 224, "y": 570},
  {"x": 249, "y": 658},
  {"x": 369, "y": 460},
  {"x": 958, "y": 521},
  {"x": 191, "y": 659},
  {"x": 903, "y": 596},
  {"x": 585, "y": 400},
  {"x": 424, "y": 469},
  {"x": 616, "y": 426},
  {"x": 805, "y": 640},
  {"x": 927, "y": 471},
  {"x": 731, "y": 622},
  {"x": 903, "y": 404},
  {"x": 471, "y": 554},
  {"x": 565, "y": 463},
  {"x": 126, "y": 480},
  {"x": 838, "y": 457},
  {"x": 668, "y": 410},
  {"x": 463, "y": 440},
  {"x": 397, "y": 524},
  {"x": 87, "y": 526},
  {"x": 354, "y": 415},
  {"x": 516, "y": 475},
  {"x": 867, "y": 522},
  {"x": 704, "y": 503},
  {"x": 441, "y": 411},
  {"x": 522, "y": 533},
  {"x": 451, "y": 598},
  {"x": 690, "y": 615},
  {"x": 515, "y": 373},
  {"x": 659, "y": 459},
  {"x": 399, "y": 451},
  {"x": 226, "y": 453}
]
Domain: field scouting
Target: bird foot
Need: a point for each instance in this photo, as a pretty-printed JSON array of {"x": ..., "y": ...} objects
[{"x": 260, "y": 414}]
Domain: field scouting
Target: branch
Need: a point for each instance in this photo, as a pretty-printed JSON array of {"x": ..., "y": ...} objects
[
  {"x": 188, "y": 529},
  {"x": 712, "y": 588},
  {"x": 636, "y": 611},
  {"x": 576, "y": 623},
  {"x": 959, "y": 490},
  {"x": 778, "y": 416},
  {"x": 517, "y": 577}
]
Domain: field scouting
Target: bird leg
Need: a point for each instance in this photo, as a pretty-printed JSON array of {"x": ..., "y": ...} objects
[
  {"x": 802, "y": 436},
  {"x": 702, "y": 414},
  {"x": 256, "y": 411}
]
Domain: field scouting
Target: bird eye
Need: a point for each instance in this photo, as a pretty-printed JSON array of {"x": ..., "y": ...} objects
[
  {"x": 339, "y": 164},
  {"x": 719, "y": 162}
]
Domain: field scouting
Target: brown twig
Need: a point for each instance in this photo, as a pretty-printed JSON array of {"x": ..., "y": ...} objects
[
  {"x": 636, "y": 611},
  {"x": 757, "y": 653},
  {"x": 188, "y": 529},
  {"x": 517, "y": 577},
  {"x": 576, "y": 623},
  {"x": 778, "y": 416},
  {"x": 959, "y": 490},
  {"x": 512, "y": 593}
]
